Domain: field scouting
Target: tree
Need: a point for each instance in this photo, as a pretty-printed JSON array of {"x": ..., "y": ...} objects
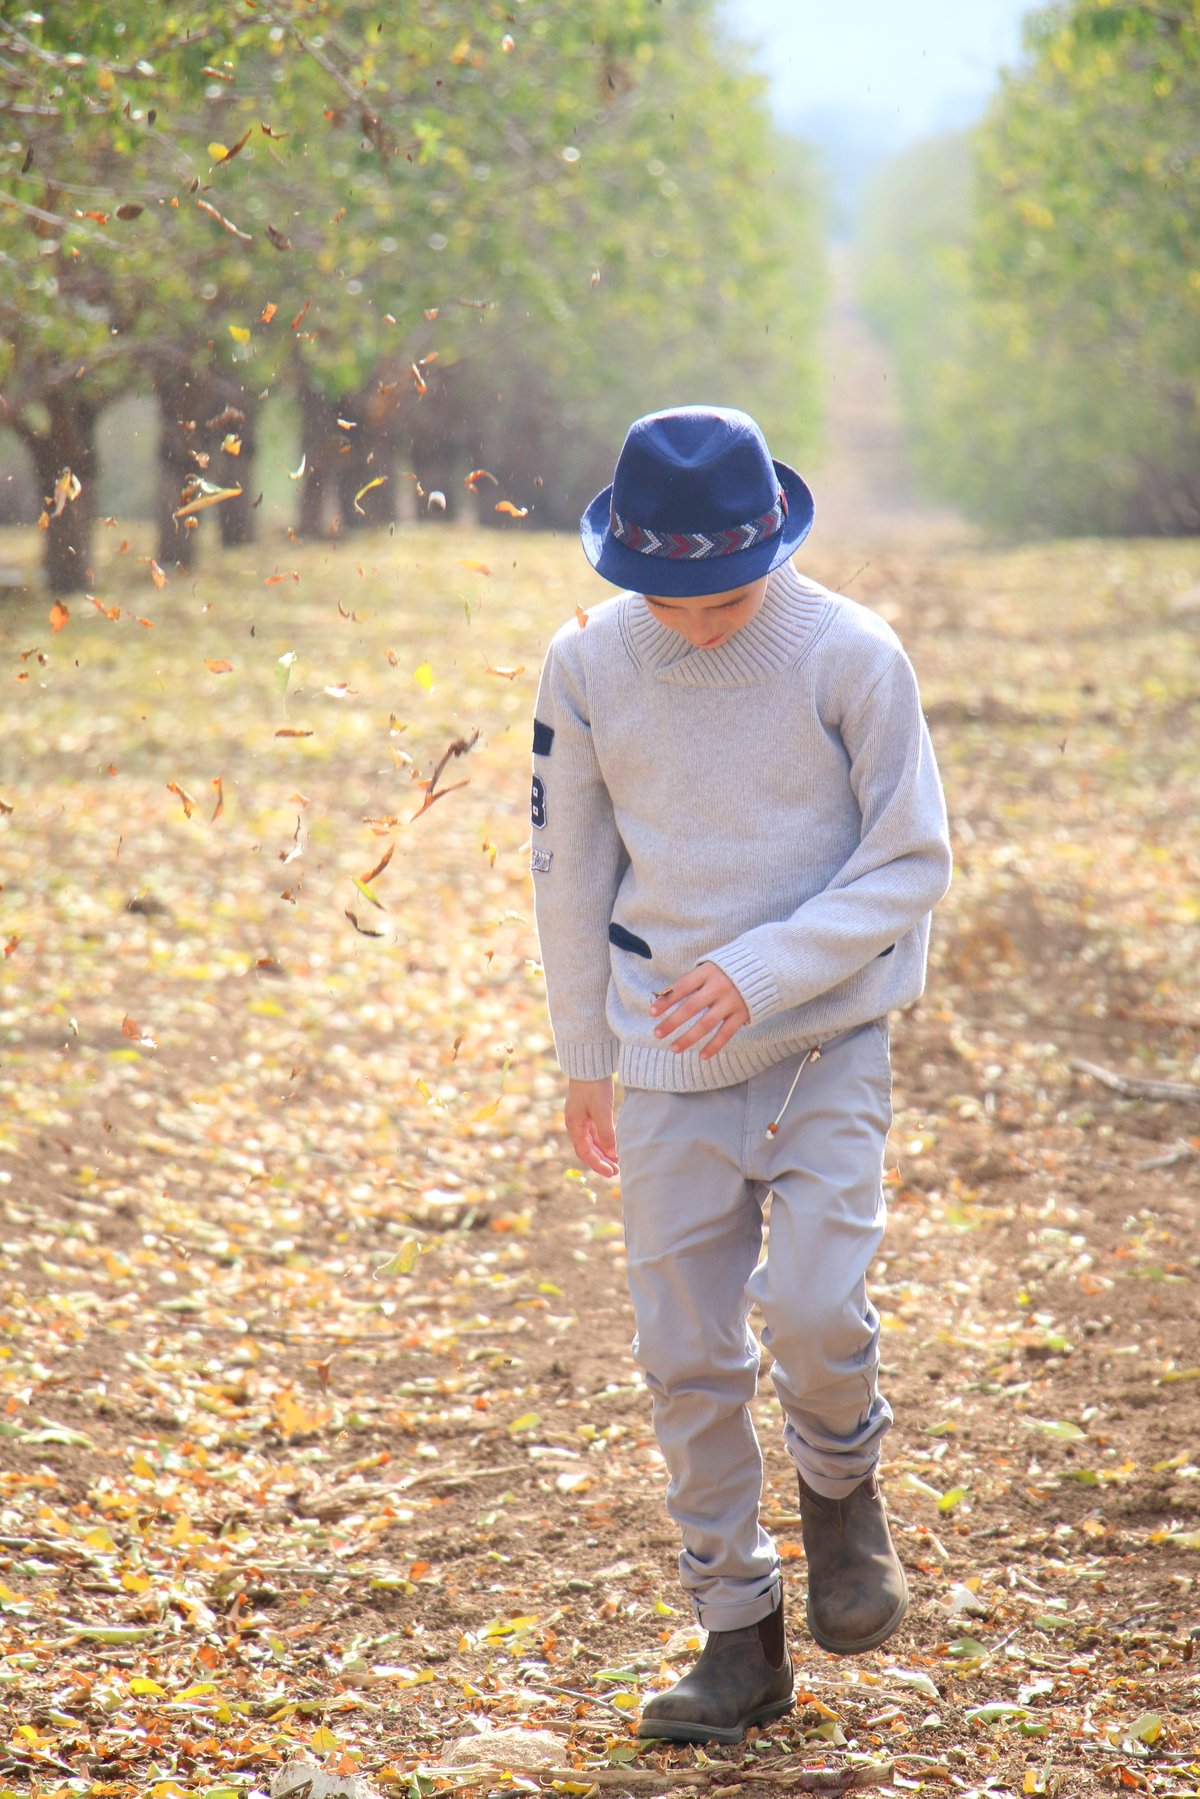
[{"x": 1065, "y": 396}]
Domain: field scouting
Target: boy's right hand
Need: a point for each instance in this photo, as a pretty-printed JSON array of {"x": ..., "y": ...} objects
[{"x": 589, "y": 1120}]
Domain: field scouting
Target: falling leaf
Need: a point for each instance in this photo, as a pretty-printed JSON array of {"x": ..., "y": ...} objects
[
  {"x": 377, "y": 482},
  {"x": 581, "y": 617},
  {"x": 240, "y": 334},
  {"x": 363, "y": 930},
  {"x": 219, "y": 808},
  {"x": 379, "y": 866},
  {"x": 231, "y": 443},
  {"x": 217, "y": 666},
  {"x": 301, "y": 315},
  {"x": 423, "y": 676},
  {"x": 268, "y": 313},
  {"x": 347, "y": 424},
  {"x": 512, "y": 511},
  {"x": 476, "y": 568},
  {"x": 289, "y": 574},
  {"x": 476, "y": 475},
  {"x": 215, "y": 498},
  {"x": 185, "y": 798},
  {"x": 58, "y": 616},
  {"x": 508, "y": 674},
  {"x": 291, "y": 731},
  {"x": 132, "y": 1029},
  {"x": 220, "y": 153},
  {"x": 268, "y": 132},
  {"x": 297, "y": 474},
  {"x": 419, "y": 381},
  {"x": 226, "y": 224}
]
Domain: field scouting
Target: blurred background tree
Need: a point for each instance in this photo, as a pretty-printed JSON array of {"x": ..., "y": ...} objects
[
  {"x": 395, "y": 247},
  {"x": 1039, "y": 281}
]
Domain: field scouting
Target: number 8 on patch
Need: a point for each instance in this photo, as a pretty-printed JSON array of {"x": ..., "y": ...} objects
[{"x": 538, "y": 802}]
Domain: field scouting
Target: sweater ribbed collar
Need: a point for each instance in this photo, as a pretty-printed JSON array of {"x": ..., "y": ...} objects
[{"x": 779, "y": 634}]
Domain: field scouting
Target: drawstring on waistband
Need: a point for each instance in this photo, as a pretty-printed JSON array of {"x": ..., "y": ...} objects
[{"x": 811, "y": 1055}]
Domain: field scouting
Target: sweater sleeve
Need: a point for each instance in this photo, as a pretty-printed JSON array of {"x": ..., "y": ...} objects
[
  {"x": 897, "y": 874},
  {"x": 577, "y": 861}
]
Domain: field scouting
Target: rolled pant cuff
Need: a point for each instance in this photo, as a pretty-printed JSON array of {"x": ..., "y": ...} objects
[
  {"x": 736, "y": 1614},
  {"x": 834, "y": 1486}
]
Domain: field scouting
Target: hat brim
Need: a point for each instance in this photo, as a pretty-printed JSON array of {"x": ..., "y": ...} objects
[{"x": 680, "y": 578}]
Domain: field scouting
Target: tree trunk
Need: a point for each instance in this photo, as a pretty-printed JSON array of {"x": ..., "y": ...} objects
[
  {"x": 318, "y": 497},
  {"x": 176, "y": 467},
  {"x": 70, "y": 444},
  {"x": 199, "y": 411}
]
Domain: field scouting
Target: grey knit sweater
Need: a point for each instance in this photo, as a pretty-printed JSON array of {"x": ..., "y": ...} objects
[{"x": 771, "y": 805}]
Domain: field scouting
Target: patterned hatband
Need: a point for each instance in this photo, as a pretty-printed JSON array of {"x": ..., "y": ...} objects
[{"x": 695, "y": 546}]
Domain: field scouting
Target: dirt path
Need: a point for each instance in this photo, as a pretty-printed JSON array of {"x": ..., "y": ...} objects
[
  {"x": 864, "y": 483},
  {"x": 318, "y": 1425}
]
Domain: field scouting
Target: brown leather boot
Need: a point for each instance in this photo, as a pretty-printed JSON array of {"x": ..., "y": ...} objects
[
  {"x": 742, "y": 1677},
  {"x": 857, "y": 1593}
]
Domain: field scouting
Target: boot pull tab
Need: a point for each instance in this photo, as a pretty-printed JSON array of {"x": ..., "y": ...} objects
[{"x": 811, "y": 1055}]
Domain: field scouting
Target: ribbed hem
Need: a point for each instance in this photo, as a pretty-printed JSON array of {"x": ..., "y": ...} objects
[
  {"x": 752, "y": 978},
  {"x": 588, "y": 1061},
  {"x": 665, "y": 1071}
]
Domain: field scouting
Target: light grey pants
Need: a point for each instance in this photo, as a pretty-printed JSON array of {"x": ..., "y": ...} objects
[{"x": 696, "y": 1170}]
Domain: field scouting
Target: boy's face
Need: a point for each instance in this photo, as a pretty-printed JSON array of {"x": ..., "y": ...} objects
[{"x": 712, "y": 618}]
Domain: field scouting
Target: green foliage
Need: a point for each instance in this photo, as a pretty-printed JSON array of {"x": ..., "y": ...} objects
[
  {"x": 581, "y": 212},
  {"x": 1059, "y": 357}
]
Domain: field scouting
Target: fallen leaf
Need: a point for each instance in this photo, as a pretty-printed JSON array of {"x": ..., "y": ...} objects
[
  {"x": 185, "y": 798},
  {"x": 423, "y": 676},
  {"x": 217, "y": 666},
  {"x": 58, "y": 616}
]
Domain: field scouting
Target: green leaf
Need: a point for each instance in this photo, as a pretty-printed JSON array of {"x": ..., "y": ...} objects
[
  {"x": 1058, "y": 1427},
  {"x": 1147, "y": 1728},
  {"x": 910, "y": 1677},
  {"x": 967, "y": 1649},
  {"x": 998, "y": 1712}
]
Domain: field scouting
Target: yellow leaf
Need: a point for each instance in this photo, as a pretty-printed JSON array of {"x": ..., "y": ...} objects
[
  {"x": 182, "y": 1531},
  {"x": 231, "y": 443},
  {"x": 200, "y": 1690},
  {"x": 99, "y": 1539},
  {"x": 423, "y": 676},
  {"x": 218, "y": 152},
  {"x": 142, "y": 1468},
  {"x": 136, "y": 1583},
  {"x": 527, "y": 1421},
  {"x": 324, "y": 1741},
  {"x": 141, "y": 1686},
  {"x": 240, "y": 334}
]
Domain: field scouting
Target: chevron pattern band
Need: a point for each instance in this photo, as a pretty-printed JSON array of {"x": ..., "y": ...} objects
[{"x": 696, "y": 546}]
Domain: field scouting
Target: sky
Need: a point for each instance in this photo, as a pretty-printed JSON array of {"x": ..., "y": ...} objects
[{"x": 902, "y": 68}]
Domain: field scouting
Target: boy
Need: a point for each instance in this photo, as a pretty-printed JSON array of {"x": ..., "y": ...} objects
[{"x": 738, "y": 837}]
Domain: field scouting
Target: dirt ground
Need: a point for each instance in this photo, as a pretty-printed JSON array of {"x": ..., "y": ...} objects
[{"x": 321, "y": 1430}]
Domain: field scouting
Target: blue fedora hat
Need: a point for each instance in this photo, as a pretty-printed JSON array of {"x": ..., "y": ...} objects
[{"x": 696, "y": 506}]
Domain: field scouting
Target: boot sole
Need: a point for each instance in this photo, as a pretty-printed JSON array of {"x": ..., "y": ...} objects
[
  {"x": 678, "y": 1730},
  {"x": 864, "y": 1643}
]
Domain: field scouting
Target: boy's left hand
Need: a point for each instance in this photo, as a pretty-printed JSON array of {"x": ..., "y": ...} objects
[{"x": 706, "y": 990}]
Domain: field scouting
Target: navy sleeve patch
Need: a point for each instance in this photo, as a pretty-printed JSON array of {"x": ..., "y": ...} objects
[
  {"x": 537, "y": 805},
  {"x": 626, "y": 940},
  {"x": 543, "y": 738}
]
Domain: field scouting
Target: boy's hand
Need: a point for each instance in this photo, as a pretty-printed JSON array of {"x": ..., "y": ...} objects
[
  {"x": 706, "y": 990},
  {"x": 589, "y": 1118}
]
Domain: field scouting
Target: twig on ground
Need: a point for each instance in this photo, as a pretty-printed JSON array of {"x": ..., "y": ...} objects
[
  {"x": 1185, "y": 1092},
  {"x": 1183, "y": 1152},
  {"x": 785, "y": 1773}
]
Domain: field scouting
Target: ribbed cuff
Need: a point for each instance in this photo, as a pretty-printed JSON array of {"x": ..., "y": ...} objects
[
  {"x": 752, "y": 978},
  {"x": 588, "y": 1061}
]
